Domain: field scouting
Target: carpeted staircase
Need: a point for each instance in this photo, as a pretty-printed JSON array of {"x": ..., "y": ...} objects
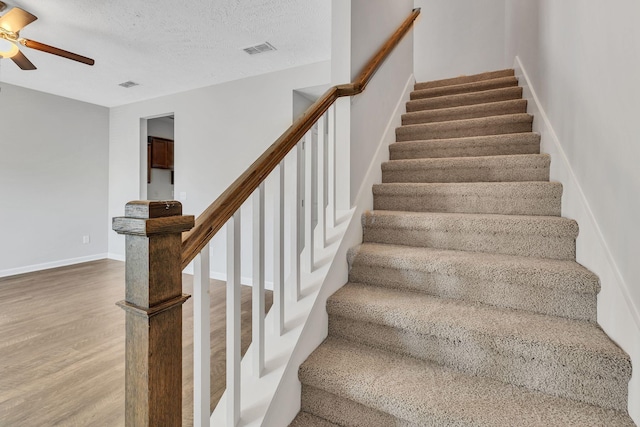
[{"x": 465, "y": 306}]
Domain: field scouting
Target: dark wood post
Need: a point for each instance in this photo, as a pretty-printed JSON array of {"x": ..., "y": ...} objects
[{"x": 153, "y": 305}]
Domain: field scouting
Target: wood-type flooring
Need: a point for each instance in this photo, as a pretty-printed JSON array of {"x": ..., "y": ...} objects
[{"x": 62, "y": 346}]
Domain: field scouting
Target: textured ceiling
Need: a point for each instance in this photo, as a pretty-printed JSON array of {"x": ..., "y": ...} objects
[{"x": 166, "y": 47}]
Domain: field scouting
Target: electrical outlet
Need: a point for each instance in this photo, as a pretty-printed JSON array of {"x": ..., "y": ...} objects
[
  {"x": 183, "y": 195},
  {"x": 86, "y": 239}
]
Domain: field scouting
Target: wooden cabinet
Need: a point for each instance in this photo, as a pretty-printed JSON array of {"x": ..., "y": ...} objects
[
  {"x": 161, "y": 152},
  {"x": 148, "y": 163}
]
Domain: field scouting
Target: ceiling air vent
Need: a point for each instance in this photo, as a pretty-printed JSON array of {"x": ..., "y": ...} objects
[
  {"x": 259, "y": 48},
  {"x": 128, "y": 84}
]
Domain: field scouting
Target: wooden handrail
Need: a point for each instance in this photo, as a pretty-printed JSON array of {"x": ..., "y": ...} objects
[{"x": 218, "y": 213}]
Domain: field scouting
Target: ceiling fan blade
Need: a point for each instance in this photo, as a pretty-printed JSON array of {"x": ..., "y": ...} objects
[
  {"x": 22, "y": 62},
  {"x": 16, "y": 19},
  {"x": 55, "y": 51}
]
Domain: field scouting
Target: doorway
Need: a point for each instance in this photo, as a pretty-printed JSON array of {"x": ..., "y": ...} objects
[{"x": 160, "y": 154}]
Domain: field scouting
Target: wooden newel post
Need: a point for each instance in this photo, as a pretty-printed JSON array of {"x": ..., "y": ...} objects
[{"x": 153, "y": 308}]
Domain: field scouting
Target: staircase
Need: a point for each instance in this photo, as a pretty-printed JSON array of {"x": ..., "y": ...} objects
[{"x": 465, "y": 306}]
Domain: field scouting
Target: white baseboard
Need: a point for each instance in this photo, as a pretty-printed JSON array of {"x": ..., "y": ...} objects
[
  {"x": 116, "y": 257},
  {"x": 52, "y": 264},
  {"x": 618, "y": 315}
]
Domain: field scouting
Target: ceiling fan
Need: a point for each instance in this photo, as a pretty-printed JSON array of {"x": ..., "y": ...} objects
[{"x": 11, "y": 23}]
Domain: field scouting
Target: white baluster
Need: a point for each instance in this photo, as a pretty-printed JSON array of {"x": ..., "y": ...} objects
[
  {"x": 278, "y": 250},
  {"x": 201, "y": 340},
  {"x": 296, "y": 246},
  {"x": 257, "y": 317},
  {"x": 322, "y": 190},
  {"x": 233, "y": 320},
  {"x": 331, "y": 166},
  {"x": 308, "y": 198}
]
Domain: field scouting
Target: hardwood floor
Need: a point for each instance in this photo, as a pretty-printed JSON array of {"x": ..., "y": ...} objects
[{"x": 62, "y": 346}]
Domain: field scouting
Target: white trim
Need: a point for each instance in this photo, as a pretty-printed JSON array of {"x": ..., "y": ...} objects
[{"x": 49, "y": 265}]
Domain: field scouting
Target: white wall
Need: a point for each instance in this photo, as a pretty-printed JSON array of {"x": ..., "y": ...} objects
[
  {"x": 581, "y": 58},
  {"x": 341, "y": 74},
  {"x": 372, "y": 23},
  {"x": 359, "y": 28},
  {"x": 455, "y": 37},
  {"x": 53, "y": 180},
  {"x": 220, "y": 130}
]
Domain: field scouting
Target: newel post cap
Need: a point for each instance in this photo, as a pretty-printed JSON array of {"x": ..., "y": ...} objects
[{"x": 147, "y": 218}]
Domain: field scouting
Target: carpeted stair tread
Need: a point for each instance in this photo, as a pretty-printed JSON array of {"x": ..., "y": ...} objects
[
  {"x": 345, "y": 412},
  {"x": 425, "y": 394},
  {"x": 536, "y": 236},
  {"x": 305, "y": 419},
  {"x": 546, "y": 286},
  {"x": 494, "y": 125},
  {"x": 488, "y": 75},
  {"x": 508, "y": 198},
  {"x": 514, "y": 106},
  {"x": 509, "y": 168},
  {"x": 563, "y": 357},
  {"x": 478, "y": 86},
  {"x": 427, "y": 314},
  {"x": 491, "y": 145},
  {"x": 472, "y": 98}
]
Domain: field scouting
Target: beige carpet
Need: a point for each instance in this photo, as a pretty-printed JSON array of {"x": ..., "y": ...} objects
[{"x": 465, "y": 306}]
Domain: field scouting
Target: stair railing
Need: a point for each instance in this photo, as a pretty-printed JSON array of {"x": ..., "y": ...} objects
[{"x": 161, "y": 242}]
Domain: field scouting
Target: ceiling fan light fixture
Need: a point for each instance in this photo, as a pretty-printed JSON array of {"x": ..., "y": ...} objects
[{"x": 8, "y": 49}]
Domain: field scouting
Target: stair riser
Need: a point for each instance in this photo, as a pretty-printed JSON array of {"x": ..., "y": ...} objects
[
  {"x": 479, "y": 147},
  {"x": 464, "y": 202},
  {"x": 422, "y": 132},
  {"x": 345, "y": 412},
  {"x": 480, "y": 173},
  {"x": 563, "y": 248},
  {"x": 306, "y": 419},
  {"x": 553, "y": 370},
  {"x": 462, "y": 113},
  {"x": 473, "y": 98},
  {"x": 465, "y": 79},
  {"x": 499, "y": 293},
  {"x": 465, "y": 88}
]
